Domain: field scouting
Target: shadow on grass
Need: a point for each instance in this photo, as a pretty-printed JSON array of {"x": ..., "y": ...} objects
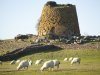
[{"x": 18, "y": 53}]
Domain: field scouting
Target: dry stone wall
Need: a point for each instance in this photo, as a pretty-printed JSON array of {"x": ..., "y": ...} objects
[{"x": 60, "y": 20}]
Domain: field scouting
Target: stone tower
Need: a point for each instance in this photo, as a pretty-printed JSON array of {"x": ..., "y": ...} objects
[{"x": 58, "y": 20}]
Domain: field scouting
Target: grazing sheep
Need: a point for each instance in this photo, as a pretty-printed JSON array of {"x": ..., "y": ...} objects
[
  {"x": 13, "y": 62},
  {"x": 1, "y": 62},
  {"x": 47, "y": 64},
  {"x": 50, "y": 64},
  {"x": 76, "y": 60},
  {"x": 30, "y": 62},
  {"x": 65, "y": 59},
  {"x": 70, "y": 59},
  {"x": 38, "y": 62},
  {"x": 23, "y": 64}
]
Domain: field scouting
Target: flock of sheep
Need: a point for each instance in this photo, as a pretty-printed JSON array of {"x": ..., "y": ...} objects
[{"x": 50, "y": 64}]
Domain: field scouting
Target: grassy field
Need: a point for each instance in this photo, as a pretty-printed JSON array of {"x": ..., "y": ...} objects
[{"x": 90, "y": 63}]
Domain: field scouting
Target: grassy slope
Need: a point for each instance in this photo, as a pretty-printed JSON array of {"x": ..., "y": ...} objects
[
  {"x": 90, "y": 61},
  {"x": 90, "y": 64}
]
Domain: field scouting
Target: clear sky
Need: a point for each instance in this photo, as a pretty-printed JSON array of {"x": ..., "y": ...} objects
[{"x": 21, "y": 16}]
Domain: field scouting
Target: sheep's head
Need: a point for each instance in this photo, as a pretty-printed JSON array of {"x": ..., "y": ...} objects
[
  {"x": 41, "y": 60},
  {"x": 18, "y": 68},
  {"x": 42, "y": 68}
]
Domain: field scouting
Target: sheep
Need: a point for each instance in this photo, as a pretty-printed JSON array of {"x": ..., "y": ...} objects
[
  {"x": 50, "y": 64},
  {"x": 1, "y": 62},
  {"x": 70, "y": 59},
  {"x": 23, "y": 64},
  {"x": 47, "y": 64},
  {"x": 13, "y": 62},
  {"x": 65, "y": 59},
  {"x": 76, "y": 60},
  {"x": 38, "y": 62},
  {"x": 30, "y": 62}
]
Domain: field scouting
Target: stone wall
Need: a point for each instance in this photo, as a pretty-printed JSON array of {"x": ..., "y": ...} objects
[{"x": 60, "y": 20}]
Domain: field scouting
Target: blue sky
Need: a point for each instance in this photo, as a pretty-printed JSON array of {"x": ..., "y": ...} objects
[{"x": 21, "y": 16}]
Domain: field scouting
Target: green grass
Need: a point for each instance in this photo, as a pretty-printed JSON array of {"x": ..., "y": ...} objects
[{"x": 90, "y": 63}]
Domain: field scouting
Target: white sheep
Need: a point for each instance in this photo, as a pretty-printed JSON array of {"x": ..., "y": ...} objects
[
  {"x": 50, "y": 64},
  {"x": 30, "y": 62},
  {"x": 38, "y": 62},
  {"x": 65, "y": 59},
  {"x": 71, "y": 58},
  {"x": 1, "y": 62},
  {"x": 76, "y": 60},
  {"x": 13, "y": 62},
  {"x": 23, "y": 64},
  {"x": 47, "y": 64}
]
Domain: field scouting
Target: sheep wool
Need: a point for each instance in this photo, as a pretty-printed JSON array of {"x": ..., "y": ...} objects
[
  {"x": 47, "y": 64},
  {"x": 50, "y": 64},
  {"x": 23, "y": 64},
  {"x": 76, "y": 60},
  {"x": 56, "y": 63},
  {"x": 65, "y": 59},
  {"x": 38, "y": 62}
]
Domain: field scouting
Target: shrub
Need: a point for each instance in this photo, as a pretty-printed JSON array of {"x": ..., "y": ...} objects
[{"x": 51, "y": 3}]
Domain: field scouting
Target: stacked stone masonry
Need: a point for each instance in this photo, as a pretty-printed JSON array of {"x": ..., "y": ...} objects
[{"x": 60, "y": 20}]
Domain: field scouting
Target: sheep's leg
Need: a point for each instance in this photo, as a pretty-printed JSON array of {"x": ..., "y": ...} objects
[
  {"x": 57, "y": 67},
  {"x": 27, "y": 67},
  {"x": 41, "y": 71},
  {"x": 79, "y": 62},
  {"x": 52, "y": 69},
  {"x": 71, "y": 63},
  {"x": 24, "y": 67},
  {"x": 49, "y": 69}
]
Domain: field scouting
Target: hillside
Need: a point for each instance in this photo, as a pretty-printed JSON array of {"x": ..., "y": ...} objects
[
  {"x": 90, "y": 63},
  {"x": 11, "y": 44},
  {"x": 21, "y": 48},
  {"x": 88, "y": 52}
]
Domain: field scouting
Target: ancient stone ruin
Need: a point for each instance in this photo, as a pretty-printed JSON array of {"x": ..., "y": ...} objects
[{"x": 58, "y": 20}]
